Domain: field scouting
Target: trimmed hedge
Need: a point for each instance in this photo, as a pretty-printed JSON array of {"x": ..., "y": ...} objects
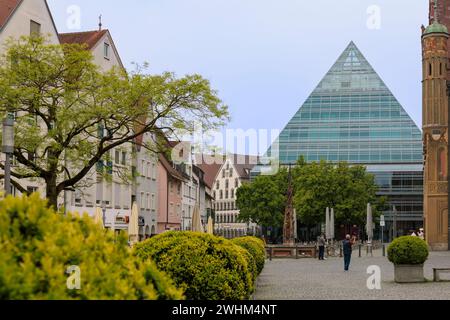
[
  {"x": 256, "y": 248},
  {"x": 37, "y": 246},
  {"x": 408, "y": 250},
  {"x": 204, "y": 266}
]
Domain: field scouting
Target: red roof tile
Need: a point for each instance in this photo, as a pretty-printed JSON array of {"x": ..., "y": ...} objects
[
  {"x": 90, "y": 38},
  {"x": 7, "y": 7}
]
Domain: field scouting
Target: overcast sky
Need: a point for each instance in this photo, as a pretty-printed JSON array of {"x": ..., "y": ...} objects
[{"x": 263, "y": 56}]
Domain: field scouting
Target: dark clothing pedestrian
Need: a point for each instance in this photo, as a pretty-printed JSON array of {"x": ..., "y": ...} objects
[
  {"x": 321, "y": 252},
  {"x": 347, "y": 248},
  {"x": 321, "y": 245}
]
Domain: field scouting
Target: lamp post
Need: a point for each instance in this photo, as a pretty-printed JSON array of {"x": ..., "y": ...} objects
[{"x": 8, "y": 150}]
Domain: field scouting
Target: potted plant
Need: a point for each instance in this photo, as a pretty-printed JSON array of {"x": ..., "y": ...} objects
[{"x": 408, "y": 254}]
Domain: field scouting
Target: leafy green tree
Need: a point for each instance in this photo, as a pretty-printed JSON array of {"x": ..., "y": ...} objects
[
  {"x": 346, "y": 188},
  {"x": 69, "y": 115},
  {"x": 264, "y": 200}
]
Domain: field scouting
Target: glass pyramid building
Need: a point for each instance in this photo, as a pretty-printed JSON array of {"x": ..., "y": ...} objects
[{"x": 352, "y": 116}]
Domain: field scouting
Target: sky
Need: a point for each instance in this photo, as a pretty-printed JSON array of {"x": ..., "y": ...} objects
[{"x": 264, "y": 57}]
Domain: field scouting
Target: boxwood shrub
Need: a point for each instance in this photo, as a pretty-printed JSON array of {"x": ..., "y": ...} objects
[
  {"x": 256, "y": 248},
  {"x": 204, "y": 266},
  {"x": 408, "y": 250},
  {"x": 38, "y": 245}
]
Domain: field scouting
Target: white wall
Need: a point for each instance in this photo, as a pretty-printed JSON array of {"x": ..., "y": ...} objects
[{"x": 19, "y": 24}]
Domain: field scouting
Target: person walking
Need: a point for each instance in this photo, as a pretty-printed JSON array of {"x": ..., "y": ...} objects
[
  {"x": 347, "y": 248},
  {"x": 321, "y": 245}
]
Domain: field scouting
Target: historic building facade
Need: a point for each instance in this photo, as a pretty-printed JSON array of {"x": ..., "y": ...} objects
[{"x": 435, "y": 130}]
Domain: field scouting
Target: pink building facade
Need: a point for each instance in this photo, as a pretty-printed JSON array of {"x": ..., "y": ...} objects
[{"x": 169, "y": 196}]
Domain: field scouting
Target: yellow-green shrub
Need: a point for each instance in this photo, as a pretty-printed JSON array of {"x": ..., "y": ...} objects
[
  {"x": 256, "y": 248},
  {"x": 37, "y": 246},
  {"x": 204, "y": 266}
]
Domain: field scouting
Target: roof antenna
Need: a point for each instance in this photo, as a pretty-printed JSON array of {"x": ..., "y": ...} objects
[{"x": 100, "y": 23}]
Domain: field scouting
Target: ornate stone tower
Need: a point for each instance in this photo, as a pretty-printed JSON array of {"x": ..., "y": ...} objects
[{"x": 435, "y": 133}]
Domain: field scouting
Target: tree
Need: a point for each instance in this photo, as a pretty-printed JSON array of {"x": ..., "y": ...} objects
[
  {"x": 69, "y": 115},
  {"x": 263, "y": 201},
  {"x": 346, "y": 188}
]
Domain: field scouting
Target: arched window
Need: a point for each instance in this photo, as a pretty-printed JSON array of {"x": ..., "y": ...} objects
[{"x": 430, "y": 70}]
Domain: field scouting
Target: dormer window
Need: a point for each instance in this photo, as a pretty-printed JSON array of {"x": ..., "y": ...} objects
[
  {"x": 35, "y": 28},
  {"x": 106, "y": 50}
]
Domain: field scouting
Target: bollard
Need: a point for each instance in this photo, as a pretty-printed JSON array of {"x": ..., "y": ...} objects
[
  {"x": 360, "y": 245},
  {"x": 271, "y": 253},
  {"x": 384, "y": 250}
]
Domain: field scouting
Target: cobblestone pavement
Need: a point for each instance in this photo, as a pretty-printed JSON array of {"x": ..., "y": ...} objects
[{"x": 311, "y": 279}]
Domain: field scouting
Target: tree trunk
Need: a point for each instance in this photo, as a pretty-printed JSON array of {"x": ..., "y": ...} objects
[{"x": 52, "y": 193}]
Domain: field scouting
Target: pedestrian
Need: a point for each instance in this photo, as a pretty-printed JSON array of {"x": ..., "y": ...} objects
[
  {"x": 348, "y": 248},
  {"x": 321, "y": 245}
]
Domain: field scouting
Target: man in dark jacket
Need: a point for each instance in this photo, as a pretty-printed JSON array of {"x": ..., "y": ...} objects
[
  {"x": 321, "y": 245},
  {"x": 347, "y": 248}
]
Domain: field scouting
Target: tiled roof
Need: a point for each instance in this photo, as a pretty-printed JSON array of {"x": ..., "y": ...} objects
[
  {"x": 7, "y": 7},
  {"x": 90, "y": 38}
]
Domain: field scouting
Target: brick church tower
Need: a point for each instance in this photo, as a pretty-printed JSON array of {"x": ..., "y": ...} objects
[{"x": 435, "y": 54}]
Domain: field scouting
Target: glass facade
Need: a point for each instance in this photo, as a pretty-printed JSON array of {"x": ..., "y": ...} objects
[{"x": 352, "y": 116}]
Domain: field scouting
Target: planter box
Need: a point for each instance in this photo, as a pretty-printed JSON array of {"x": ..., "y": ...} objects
[{"x": 407, "y": 273}]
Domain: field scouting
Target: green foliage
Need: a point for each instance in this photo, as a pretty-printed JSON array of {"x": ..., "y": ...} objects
[
  {"x": 37, "y": 246},
  {"x": 346, "y": 188},
  {"x": 204, "y": 266},
  {"x": 408, "y": 250},
  {"x": 264, "y": 200},
  {"x": 256, "y": 248},
  {"x": 71, "y": 115}
]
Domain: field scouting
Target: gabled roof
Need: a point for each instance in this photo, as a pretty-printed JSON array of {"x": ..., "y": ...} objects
[
  {"x": 7, "y": 8},
  {"x": 170, "y": 169},
  {"x": 89, "y": 38}
]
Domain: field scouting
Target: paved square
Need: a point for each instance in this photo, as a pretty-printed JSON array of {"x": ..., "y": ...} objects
[{"x": 311, "y": 279}]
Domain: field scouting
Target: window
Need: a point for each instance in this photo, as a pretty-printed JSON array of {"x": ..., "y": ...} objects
[
  {"x": 214, "y": 194},
  {"x": 227, "y": 184},
  {"x": 143, "y": 168},
  {"x": 106, "y": 50},
  {"x": 178, "y": 188},
  {"x": 221, "y": 194},
  {"x": 236, "y": 183},
  {"x": 148, "y": 201},
  {"x": 142, "y": 200},
  {"x": 153, "y": 201},
  {"x": 430, "y": 70},
  {"x": 117, "y": 158},
  {"x": 231, "y": 172},
  {"x": 232, "y": 193},
  {"x": 153, "y": 171},
  {"x": 35, "y": 28},
  {"x": 124, "y": 158},
  {"x": 217, "y": 185},
  {"x": 31, "y": 190},
  {"x": 223, "y": 173},
  {"x": 226, "y": 194}
]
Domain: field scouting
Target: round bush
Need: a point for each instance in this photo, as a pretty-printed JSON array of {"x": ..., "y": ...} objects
[
  {"x": 256, "y": 248},
  {"x": 37, "y": 246},
  {"x": 408, "y": 250},
  {"x": 204, "y": 266}
]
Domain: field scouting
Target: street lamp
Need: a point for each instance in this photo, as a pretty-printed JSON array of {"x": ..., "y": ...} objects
[{"x": 8, "y": 150}]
